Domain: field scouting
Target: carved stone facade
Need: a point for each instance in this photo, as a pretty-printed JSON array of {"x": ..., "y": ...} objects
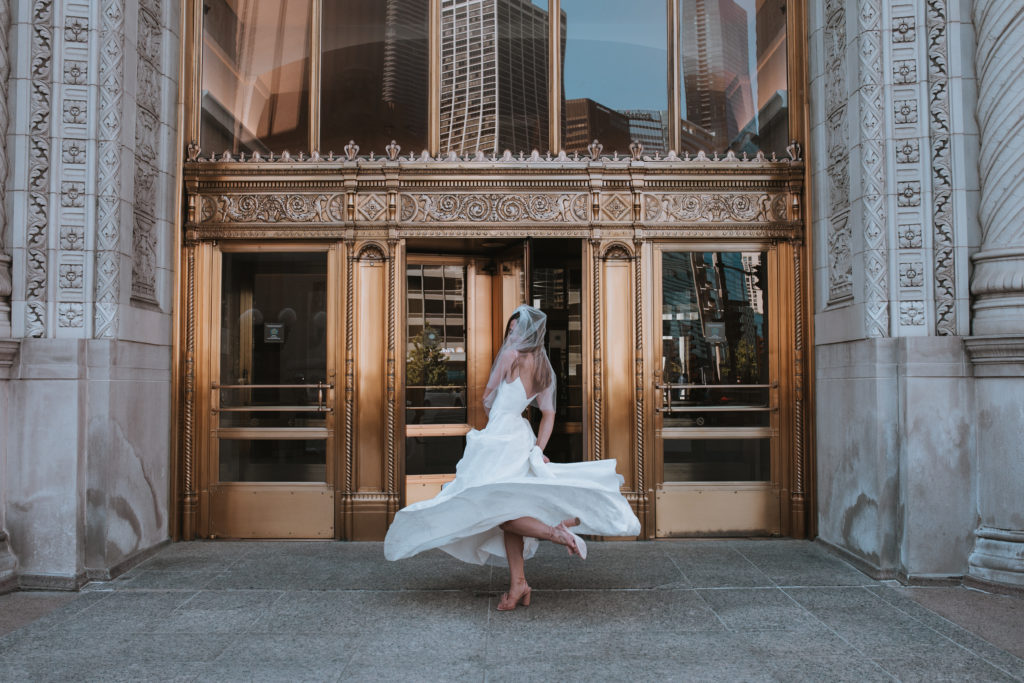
[
  {"x": 92, "y": 350},
  {"x": 895, "y": 360}
]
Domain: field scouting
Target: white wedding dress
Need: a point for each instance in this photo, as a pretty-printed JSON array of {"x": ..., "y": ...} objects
[{"x": 502, "y": 476}]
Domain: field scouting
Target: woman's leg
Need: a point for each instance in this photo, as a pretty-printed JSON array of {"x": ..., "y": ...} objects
[
  {"x": 517, "y": 586},
  {"x": 534, "y": 528}
]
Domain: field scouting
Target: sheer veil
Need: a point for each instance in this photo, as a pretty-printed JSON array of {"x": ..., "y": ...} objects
[{"x": 522, "y": 355}]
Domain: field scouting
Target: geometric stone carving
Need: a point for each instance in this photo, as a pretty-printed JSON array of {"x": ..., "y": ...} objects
[
  {"x": 903, "y": 29},
  {"x": 910, "y": 236},
  {"x": 75, "y": 72},
  {"x": 873, "y": 169},
  {"x": 71, "y": 315},
  {"x": 76, "y": 29},
  {"x": 908, "y": 193},
  {"x": 108, "y": 224},
  {"x": 72, "y": 237},
  {"x": 911, "y": 313},
  {"x": 905, "y": 111},
  {"x": 904, "y": 71},
  {"x": 912, "y": 274},
  {"x": 75, "y": 111}
]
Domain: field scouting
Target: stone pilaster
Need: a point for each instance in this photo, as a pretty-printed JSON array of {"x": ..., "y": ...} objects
[
  {"x": 997, "y": 349},
  {"x": 5, "y": 259}
]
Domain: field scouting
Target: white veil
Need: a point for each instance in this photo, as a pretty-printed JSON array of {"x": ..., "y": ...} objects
[{"x": 522, "y": 355}]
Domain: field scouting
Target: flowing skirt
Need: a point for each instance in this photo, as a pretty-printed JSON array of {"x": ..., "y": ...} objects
[{"x": 502, "y": 476}]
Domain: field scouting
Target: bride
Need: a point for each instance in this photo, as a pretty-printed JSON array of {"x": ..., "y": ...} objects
[{"x": 507, "y": 495}]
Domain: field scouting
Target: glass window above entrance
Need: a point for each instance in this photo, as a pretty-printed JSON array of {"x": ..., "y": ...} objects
[
  {"x": 465, "y": 76},
  {"x": 255, "y": 79}
]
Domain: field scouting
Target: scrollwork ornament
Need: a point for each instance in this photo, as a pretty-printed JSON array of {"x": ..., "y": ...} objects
[
  {"x": 494, "y": 208},
  {"x": 942, "y": 182}
]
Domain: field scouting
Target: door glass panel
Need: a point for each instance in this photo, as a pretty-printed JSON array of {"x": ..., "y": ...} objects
[
  {"x": 273, "y": 340},
  {"x": 374, "y": 78},
  {"x": 255, "y": 81},
  {"x": 433, "y": 454},
  {"x": 714, "y": 365},
  {"x": 273, "y": 460},
  {"x": 734, "y": 71},
  {"x": 614, "y": 75},
  {"x": 435, "y": 364},
  {"x": 717, "y": 459},
  {"x": 494, "y": 76}
]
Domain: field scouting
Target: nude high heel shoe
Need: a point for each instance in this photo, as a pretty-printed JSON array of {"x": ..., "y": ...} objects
[
  {"x": 573, "y": 543},
  {"x": 507, "y": 604}
]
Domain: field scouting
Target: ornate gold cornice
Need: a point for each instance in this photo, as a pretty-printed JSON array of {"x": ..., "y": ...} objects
[{"x": 336, "y": 197}]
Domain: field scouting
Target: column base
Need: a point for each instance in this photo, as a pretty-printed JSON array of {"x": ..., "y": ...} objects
[{"x": 998, "y": 557}]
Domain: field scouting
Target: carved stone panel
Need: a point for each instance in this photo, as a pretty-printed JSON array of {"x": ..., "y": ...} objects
[
  {"x": 495, "y": 208},
  {"x": 704, "y": 208}
]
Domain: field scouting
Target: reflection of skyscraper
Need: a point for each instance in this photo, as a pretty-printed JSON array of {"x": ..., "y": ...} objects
[
  {"x": 649, "y": 127},
  {"x": 716, "y": 72},
  {"x": 494, "y": 76},
  {"x": 587, "y": 120}
]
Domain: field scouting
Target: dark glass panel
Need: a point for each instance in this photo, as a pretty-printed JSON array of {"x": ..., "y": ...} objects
[
  {"x": 735, "y": 83},
  {"x": 374, "y": 74},
  {"x": 276, "y": 460},
  {"x": 255, "y": 80},
  {"x": 614, "y": 75},
  {"x": 555, "y": 288},
  {"x": 273, "y": 332},
  {"x": 689, "y": 460},
  {"x": 433, "y": 454}
]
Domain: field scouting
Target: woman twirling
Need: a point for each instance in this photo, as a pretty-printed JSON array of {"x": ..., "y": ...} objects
[{"x": 506, "y": 495}]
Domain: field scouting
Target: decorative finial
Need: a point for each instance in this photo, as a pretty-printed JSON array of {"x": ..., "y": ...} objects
[
  {"x": 594, "y": 149},
  {"x": 636, "y": 148},
  {"x": 193, "y": 151},
  {"x": 793, "y": 150},
  {"x": 393, "y": 149},
  {"x": 351, "y": 150}
]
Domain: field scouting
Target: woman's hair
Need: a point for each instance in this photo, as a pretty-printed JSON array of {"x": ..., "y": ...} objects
[{"x": 508, "y": 325}]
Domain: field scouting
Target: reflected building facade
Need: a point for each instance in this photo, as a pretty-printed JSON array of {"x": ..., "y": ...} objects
[
  {"x": 587, "y": 120},
  {"x": 716, "y": 74},
  {"x": 494, "y": 76},
  {"x": 649, "y": 127}
]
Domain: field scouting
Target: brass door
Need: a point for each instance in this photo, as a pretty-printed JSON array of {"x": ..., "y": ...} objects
[
  {"x": 271, "y": 459},
  {"x": 455, "y": 308},
  {"x": 720, "y": 466}
]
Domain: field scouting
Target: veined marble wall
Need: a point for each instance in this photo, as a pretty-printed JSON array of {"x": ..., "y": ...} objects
[
  {"x": 895, "y": 148},
  {"x": 92, "y": 94}
]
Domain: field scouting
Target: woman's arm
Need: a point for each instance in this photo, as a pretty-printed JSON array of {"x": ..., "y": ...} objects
[{"x": 547, "y": 423}]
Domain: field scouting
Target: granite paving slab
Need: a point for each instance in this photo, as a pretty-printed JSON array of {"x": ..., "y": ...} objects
[{"x": 750, "y": 610}]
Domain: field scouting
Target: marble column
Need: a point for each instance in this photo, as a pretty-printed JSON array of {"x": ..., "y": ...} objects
[
  {"x": 998, "y": 280},
  {"x": 997, "y": 347}
]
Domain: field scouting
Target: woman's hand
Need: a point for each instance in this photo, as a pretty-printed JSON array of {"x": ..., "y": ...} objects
[{"x": 547, "y": 459}]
